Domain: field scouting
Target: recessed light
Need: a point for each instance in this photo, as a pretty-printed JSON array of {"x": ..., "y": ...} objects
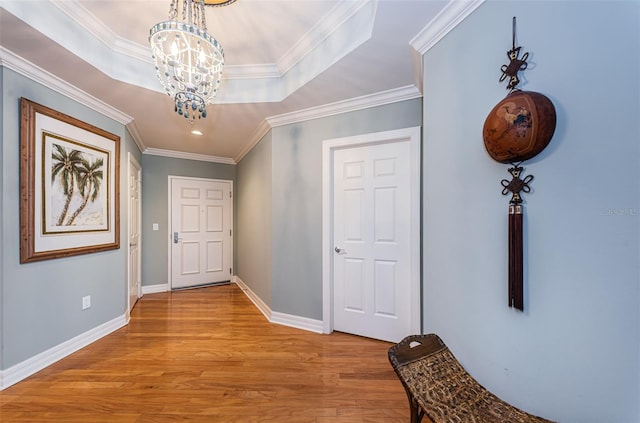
[{"x": 196, "y": 132}]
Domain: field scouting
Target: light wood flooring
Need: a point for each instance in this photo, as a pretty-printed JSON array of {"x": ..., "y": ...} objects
[{"x": 208, "y": 355}]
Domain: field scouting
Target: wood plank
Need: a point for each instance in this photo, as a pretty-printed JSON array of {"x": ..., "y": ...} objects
[{"x": 208, "y": 355}]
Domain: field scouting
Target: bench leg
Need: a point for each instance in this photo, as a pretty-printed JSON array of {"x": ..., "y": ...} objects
[{"x": 416, "y": 411}]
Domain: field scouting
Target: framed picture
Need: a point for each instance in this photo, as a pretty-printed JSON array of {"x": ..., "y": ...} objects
[{"x": 69, "y": 185}]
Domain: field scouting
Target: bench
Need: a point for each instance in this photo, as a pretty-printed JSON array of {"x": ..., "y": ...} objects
[{"x": 439, "y": 387}]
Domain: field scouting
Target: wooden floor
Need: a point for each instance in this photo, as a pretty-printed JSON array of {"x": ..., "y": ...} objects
[{"x": 208, "y": 355}]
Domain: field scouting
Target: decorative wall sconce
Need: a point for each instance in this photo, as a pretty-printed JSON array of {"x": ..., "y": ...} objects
[{"x": 517, "y": 129}]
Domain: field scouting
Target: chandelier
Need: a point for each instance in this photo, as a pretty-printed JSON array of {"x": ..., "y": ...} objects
[{"x": 187, "y": 58}]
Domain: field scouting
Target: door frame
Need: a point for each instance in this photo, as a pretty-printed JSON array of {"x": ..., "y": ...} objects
[
  {"x": 412, "y": 135},
  {"x": 133, "y": 163},
  {"x": 170, "y": 220}
]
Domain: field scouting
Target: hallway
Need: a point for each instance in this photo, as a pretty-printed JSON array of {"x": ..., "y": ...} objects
[{"x": 208, "y": 355}]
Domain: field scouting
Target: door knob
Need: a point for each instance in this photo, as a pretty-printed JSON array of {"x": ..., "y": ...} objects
[{"x": 339, "y": 250}]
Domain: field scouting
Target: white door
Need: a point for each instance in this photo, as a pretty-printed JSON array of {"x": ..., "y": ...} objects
[
  {"x": 134, "y": 230},
  {"x": 201, "y": 238},
  {"x": 375, "y": 258}
]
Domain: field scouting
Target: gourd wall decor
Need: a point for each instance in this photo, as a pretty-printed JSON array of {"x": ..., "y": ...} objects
[{"x": 517, "y": 129}]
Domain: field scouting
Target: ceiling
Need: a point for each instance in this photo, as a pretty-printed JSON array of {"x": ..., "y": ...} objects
[{"x": 286, "y": 60}]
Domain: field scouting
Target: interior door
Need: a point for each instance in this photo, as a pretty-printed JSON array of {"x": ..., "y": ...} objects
[
  {"x": 134, "y": 231},
  {"x": 371, "y": 232},
  {"x": 201, "y": 237}
]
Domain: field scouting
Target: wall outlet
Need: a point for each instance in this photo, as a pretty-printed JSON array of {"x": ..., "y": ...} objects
[
  {"x": 155, "y": 227},
  {"x": 86, "y": 302}
]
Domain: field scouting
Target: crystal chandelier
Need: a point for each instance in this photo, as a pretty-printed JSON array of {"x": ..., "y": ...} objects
[{"x": 188, "y": 60}]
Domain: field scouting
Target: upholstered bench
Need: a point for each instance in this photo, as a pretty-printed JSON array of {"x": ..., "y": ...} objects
[{"x": 440, "y": 388}]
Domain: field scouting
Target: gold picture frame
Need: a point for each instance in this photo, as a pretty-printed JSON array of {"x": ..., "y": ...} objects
[{"x": 69, "y": 185}]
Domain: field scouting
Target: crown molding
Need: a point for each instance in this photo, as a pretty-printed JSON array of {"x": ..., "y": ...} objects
[
  {"x": 359, "y": 103},
  {"x": 345, "y": 32},
  {"x": 28, "y": 69},
  {"x": 80, "y": 15},
  {"x": 71, "y": 26},
  {"x": 338, "y": 16},
  {"x": 448, "y": 18},
  {"x": 67, "y": 22},
  {"x": 266, "y": 70},
  {"x": 255, "y": 138},
  {"x": 135, "y": 134},
  {"x": 395, "y": 95},
  {"x": 94, "y": 26},
  {"x": 188, "y": 156}
]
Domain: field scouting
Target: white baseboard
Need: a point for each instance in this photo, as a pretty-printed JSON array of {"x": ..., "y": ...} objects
[
  {"x": 297, "y": 322},
  {"x": 152, "y": 289},
  {"x": 22, "y": 370},
  {"x": 257, "y": 301}
]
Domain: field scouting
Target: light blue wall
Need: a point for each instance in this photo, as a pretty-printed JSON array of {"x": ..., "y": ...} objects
[
  {"x": 41, "y": 301},
  {"x": 253, "y": 228},
  {"x": 135, "y": 152},
  {"x": 155, "y": 207},
  {"x": 297, "y": 199},
  {"x": 574, "y": 354}
]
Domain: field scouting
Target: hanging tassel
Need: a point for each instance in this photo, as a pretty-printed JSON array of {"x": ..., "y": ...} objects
[{"x": 516, "y": 296}]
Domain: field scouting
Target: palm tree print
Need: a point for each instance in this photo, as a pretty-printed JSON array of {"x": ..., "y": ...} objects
[
  {"x": 89, "y": 182},
  {"x": 65, "y": 167}
]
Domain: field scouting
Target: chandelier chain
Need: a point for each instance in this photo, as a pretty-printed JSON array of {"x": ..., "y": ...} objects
[
  {"x": 203, "y": 24},
  {"x": 173, "y": 10},
  {"x": 185, "y": 7}
]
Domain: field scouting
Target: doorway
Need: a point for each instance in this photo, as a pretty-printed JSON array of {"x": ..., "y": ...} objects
[
  {"x": 201, "y": 237},
  {"x": 371, "y": 234},
  {"x": 135, "y": 218}
]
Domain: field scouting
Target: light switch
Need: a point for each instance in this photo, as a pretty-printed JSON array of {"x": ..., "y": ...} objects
[{"x": 155, "y": 226}]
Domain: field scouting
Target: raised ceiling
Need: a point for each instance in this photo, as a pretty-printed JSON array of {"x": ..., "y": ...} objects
[{"x": 285, "y": 60}]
